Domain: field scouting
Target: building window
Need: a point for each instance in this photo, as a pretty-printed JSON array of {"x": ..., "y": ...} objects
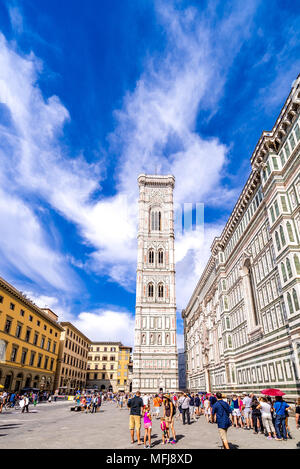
[
  {"x": 23, "y": 357},
  {"x": 282, "y": 237},
  {"x": 35, "y": 339},
  {"x": 295, "y": 298},
  {"x": 277, "y": 241},
  {"x": 45, "y": 327},
  {"x": 289, "y": 299},
  {"x": 155, "y": 221},
  {"x": 39, "y": 361},
  {"x": 111, "y": 376},
  {"x": 104, "y": 358},
  {"x": 283, "y": 271},
  {"x": 42, "y": 342},
  {"x": 1, "y": 299},
  {"x": 22, "y": 312},
  {"x": 18, "y": 330},
  {"x": 54, "y": 347},
  {"x": 297, "y": 264},
  {"x": 38, "y": 322},
  {"x": 160, "y": 290},
  {"x": 12, "y": 306},
  {"x": 32, "y": 359},
  {"x": 27, "y": 336},
  {"x": 48, "y": 345},
  {"x": 30, "y": 318},
  {"x": 290, "y": 232},
  {"x": 51, "y": 364},
  {"x": 160, "y": 257},
  {"x": 151, "y": 256},
  {"x": 14, "y": 354},
  {"x": 46, "y": 363},
  {"x": 7, "y": 326},
  {"x": 150, "y": 290}
]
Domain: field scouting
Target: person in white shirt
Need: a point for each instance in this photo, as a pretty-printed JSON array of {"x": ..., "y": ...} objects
[
  {"x": 26, "y": 404},
  {"x": 266, "y": 415},
  {"x": 146, "y": 399},
  {"x": 246, "y": 408}
]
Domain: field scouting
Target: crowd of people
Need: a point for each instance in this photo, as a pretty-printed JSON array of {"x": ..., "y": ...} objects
[
  {"x": 21, "y": 400},
  {"x": 249, "y": 412},
  {"x": 264, "y": 415}
]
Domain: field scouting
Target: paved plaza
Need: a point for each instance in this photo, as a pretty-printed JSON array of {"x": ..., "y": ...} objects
[{"x": 53, "y": 425}]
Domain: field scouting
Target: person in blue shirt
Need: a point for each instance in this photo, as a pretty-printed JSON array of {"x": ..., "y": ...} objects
[
  {"x": 280, "y": 407},
  {"x": 222, "y": 411},
  {"x": 212, "y": 401}
]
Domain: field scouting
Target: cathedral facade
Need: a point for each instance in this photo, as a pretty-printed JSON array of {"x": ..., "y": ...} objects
[
  {"x": 155, "y": 362},
  {"x": 242, "y": 322}
]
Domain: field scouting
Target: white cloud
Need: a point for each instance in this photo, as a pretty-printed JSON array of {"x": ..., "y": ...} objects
[
  {"x": 107, "y": 325},
  {"x": 156, "y": 126}
]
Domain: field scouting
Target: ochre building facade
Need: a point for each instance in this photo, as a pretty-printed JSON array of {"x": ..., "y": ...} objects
[{"x": 29, "y": 342}]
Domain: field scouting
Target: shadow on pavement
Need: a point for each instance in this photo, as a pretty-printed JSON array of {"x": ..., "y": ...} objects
[{"x": 10, "y": 425}]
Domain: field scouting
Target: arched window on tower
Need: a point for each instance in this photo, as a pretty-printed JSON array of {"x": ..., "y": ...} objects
[
  {"x": 283, "y": 271},
  {"x": 295, "y": 298},
  {"x": 167, "y": 339},
  {"x": 290, "y": 232},
  {"x": 155, "y": 220},
  {"x": 160, "y": 256},
  {"x": 150, "y": 290},
  {"x": 297, "y": 263},
  {"x": 151, "y": 256},
  {"x": 160, "y": 290},
  {"x": 289, "y": 268}
]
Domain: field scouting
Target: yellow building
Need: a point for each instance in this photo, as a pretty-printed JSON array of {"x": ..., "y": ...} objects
[
  {"x": 72, "y": 363},
  {"x": 29, "y": 342},
  {"x": 124, "y": 368},
  {"x": 102, "y": 367}
]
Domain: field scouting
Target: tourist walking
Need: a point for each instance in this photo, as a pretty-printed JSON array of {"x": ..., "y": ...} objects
[
  {"x": 212, "y": 401},
  {"x": 222, "y": 412},
  {"x": 94, "y": 404},
  {"x": 279, "y": 407},
  {"x": 192, "y": 407},
  {"x": 156, "y": 405},
  {"x": 26, "y": 404},
  {"x": 135, "y": 405},
  {"x": 184, "y": 402}
]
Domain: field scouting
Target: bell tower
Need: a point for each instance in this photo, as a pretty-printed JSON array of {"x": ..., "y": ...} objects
[{"x": 155, "y": 363}]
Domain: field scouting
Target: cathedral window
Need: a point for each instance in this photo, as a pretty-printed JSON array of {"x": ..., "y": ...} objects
[
  {"x": 289, "y": 269},
  {"x": 289, "y": 299},
  {"x": 297, "y": 264},
  {"x": 290, "y": 232},
  {"x": 150, "y": 290},
  {"x": 277, "y": 241},
  {"x": 167, "y": 339},
  {"x": 282, "y": 235},
  {"x": 284, "y": 276},
  {"x": 295, "y": 298},
  {"x": 151, "y": 256}
]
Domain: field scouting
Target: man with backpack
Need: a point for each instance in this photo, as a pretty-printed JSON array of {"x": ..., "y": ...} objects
[{"x": 222, "y": 411}]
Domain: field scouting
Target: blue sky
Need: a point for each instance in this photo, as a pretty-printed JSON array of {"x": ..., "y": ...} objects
[{"x": 92, "y": 94}]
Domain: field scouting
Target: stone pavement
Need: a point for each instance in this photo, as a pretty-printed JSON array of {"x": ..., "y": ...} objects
[{"x": 55, "y": 426}]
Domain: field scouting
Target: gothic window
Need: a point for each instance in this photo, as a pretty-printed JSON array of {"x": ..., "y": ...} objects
[
  {"x": 277, "y": 241},
  {"x": 160, "y": 290},
  {"x": 289, "y": 299},
  {"x": 167, "y": 339},
  {"x": 151, "y": 339},
  {"x": 150, "y": 290},
  {"x": 160, "y": 256},
  {"x": 289, "y": 269},
  {"x": 282, "y": 235},
  {"x": 295, "y": 298},
  {"x": 284, "y": 276},
  {"x": 290, "y": 232},
  {"x": 297, "y": 264},
  {"x": 159, "y": 339},
  {"x": 151, "y": 256},
  {"x": 155, "y": 220},
  {"x": 143, "y": 339}
]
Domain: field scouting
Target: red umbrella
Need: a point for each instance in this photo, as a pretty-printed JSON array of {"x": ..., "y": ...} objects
[{"x": 272, "y": 392}]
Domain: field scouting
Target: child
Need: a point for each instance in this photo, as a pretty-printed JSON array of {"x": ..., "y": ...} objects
[
  {"x": 164, "y": 429},
  {"x": 147, "y": 425}
]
